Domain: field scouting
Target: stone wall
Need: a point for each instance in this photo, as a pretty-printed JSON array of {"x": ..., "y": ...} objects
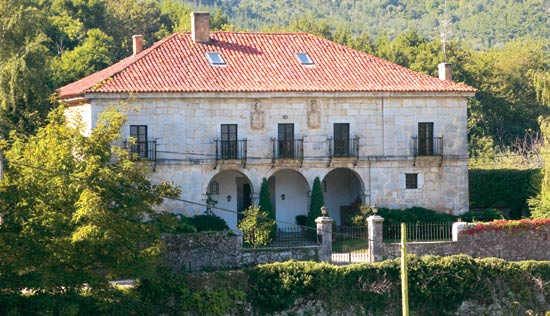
[
  {"x": 508, "y": 244},
  {"x": 215, "y": 250}
]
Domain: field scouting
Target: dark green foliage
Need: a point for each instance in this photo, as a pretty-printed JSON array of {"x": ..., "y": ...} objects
[
  {"x": 317, "y": 201},
  {"x": 504, "y": 189},
  {"x": 174, "y": 223},
  {"x": 265, "y": 200},
  {"x": 414, "y": 214},
  {"x": 301, "y": 220},
  {"x": 208, "y": 222},
  {"x": 437, "y": 285},
  {"x": 482, "y": 216}
]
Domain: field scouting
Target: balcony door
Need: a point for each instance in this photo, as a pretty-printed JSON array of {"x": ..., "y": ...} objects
[
  {"x": 426, "y": 139},
  {"x": 229, "y": 141},
  {"x": 286, "y": 140},
  {"x": 139, "y": 133},
  {"x": 341, "y": 139}
]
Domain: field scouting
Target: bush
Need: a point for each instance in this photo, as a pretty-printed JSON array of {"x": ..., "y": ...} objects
[
  {"x": 301, "y": 220},
  {"x": 208, "y": 222},
  {"x": 257, "y": 227},
  {"x": 437, "y": 285},
  {"x": 504, "y": 189}
]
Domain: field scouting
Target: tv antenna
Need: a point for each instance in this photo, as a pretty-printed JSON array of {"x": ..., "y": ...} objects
[{"x": 445, "y": 31}]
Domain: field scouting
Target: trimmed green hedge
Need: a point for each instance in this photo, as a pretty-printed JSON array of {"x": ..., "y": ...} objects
[
  {"x": 504, "y": 189},
  {"x": 437, "y": 285}
]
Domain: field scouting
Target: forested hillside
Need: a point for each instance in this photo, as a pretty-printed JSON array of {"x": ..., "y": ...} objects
[
  {"x": 474, "y": 24},
  {"x": 45, "y": 44}
]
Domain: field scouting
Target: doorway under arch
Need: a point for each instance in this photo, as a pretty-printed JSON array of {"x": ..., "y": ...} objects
[
  {"x": 230, "y": 190},
  {"x": 288, "y": 190},
  {"x": 343, "y": 191}
]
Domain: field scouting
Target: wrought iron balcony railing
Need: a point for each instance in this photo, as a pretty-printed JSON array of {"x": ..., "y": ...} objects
[
  {"x": 231, "y": 149},
  {"x": 427, "y": 146},
  {"x": 348, "y": 147},
  {"x": 288, "y": 148},
  {"x": 143, "y": 149}
]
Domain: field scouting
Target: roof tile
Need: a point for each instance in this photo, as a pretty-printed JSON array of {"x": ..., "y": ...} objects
[{"x": 256, "y": 62}]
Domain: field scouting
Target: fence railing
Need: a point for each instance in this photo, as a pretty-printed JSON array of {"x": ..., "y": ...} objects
[
  {"x": 419, "y": 231},
  {"x": 348, "y": 147},
  {"x": 288, "y": 148},
  {"x": 290, "y": 236},
  {"x": 143, "y": 149},
  {"x": 427, "y": 146},
  {"x": 231, "y": 149}
]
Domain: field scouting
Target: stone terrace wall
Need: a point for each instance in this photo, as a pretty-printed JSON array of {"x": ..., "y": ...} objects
[
  {"x": 508, "y": 244},
  {"x": 215, "y": 250}
]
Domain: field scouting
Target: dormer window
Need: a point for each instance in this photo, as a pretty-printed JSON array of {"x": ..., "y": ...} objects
[
  {"x": 304, "y": 58},
  {"x": 215, "y": 59}
]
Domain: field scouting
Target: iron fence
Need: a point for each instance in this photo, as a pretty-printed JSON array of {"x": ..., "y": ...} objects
[
  {"x": 348, "y": 147},
  {"x": 288, "y": 236},
  {"x": 350, "y": 244},
  {"x": 143, "y": 149},
  {"x": 231, "y": 149},
  {"x": 419, "y": 231},
  {"x": 427, "y": 146},
  {"x": 288, "y": 148}
]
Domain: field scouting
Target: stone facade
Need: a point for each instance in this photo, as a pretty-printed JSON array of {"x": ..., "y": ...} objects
[{"x": 185, "y": 127}]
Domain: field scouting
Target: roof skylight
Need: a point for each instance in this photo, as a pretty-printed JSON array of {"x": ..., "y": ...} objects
[
  {"x": 215, "y": 59},
  {"x": 304, "y": 58}
]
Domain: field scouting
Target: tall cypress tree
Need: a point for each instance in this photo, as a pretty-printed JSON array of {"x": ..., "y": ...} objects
[
  {"x": 317, "y": 201},
  {"x": 265, "y": 204}
]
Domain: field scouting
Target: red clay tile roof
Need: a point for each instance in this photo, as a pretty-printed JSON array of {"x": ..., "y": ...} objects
[{"x": 256, "y": 62}]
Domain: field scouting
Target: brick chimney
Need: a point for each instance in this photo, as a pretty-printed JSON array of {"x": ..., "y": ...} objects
[
  {"x": 137, "y": 43},
  {"x": 445, "y": 71},
  {"x": 200, "y": 27}
]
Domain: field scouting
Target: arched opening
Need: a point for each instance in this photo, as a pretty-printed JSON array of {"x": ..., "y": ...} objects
[
  {"x": 230, "y": 190},
  {"x": 342, "y": 190},
  {"x": 288, "y": 190}
]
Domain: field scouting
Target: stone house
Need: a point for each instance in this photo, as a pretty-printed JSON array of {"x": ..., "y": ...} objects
[{"x": 215, "y": 112}]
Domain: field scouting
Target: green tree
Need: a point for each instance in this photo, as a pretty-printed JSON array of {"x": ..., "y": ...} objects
[
  {"x": 74, "y": 209},
  {"x": 540, "y": 205},
  {"x": 265, "y": 200},
  {"x": 91, "y": 56},
  {"x": 257, "y": 227},
  {"x": 24, "y": 76},
  {"x": 317, "y": 201}
]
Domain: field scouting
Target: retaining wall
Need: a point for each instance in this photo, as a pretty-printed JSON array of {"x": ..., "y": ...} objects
[{"x": 215, "y": 250}]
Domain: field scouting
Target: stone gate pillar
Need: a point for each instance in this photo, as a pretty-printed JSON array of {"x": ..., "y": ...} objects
[
  {"x": 324, "y": 233},
  {"x": 376, "y": 249}
]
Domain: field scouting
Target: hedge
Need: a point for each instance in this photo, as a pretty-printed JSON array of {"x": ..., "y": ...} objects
[
  {"x": 504, "y": 189},
  {"x": 437, "y": 285}
]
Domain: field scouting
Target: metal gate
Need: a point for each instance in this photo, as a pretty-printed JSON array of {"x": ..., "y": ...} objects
[{"x": 350, "y": 245}]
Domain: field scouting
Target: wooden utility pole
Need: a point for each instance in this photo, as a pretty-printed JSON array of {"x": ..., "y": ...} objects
[{"x": 404, "y": 277}]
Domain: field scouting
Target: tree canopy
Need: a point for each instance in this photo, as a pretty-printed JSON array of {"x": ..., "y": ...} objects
[{"x": 74, "y": 209}]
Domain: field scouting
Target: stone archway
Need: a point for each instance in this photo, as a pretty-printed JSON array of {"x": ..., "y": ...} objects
[
  {"x": 230, "y": 190},
  {"x": 289, "y": 193},
  {"x": 343, "y": 192}
]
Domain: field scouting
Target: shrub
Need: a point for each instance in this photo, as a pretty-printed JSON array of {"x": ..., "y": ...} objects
[
  {"x": 301, "y": 220},
  {"x": 208, "y": 222},
  {"x": 257, "y": 227},
  {"x": 437, "y": 285},
  {"x": 504, "y": 189}
]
